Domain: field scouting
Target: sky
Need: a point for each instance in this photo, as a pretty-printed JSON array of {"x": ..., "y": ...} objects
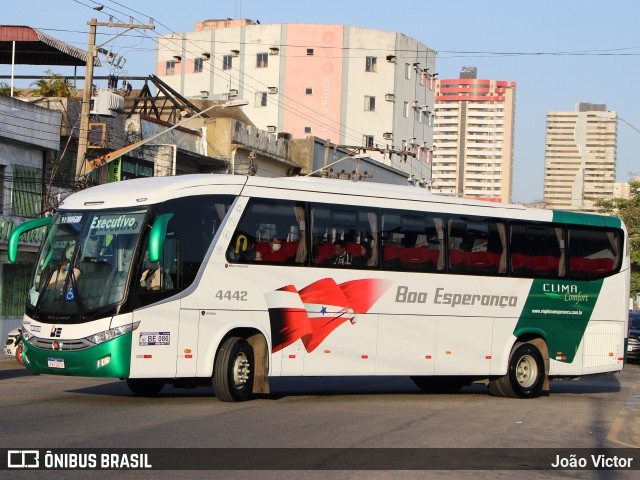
[{"x": 559, "y": 52}]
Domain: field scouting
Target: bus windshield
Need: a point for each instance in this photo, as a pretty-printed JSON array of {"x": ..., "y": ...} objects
[{"x": 85, "y": 261}]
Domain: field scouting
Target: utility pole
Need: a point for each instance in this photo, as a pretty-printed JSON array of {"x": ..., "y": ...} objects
[{"x": 83, "y": 133}]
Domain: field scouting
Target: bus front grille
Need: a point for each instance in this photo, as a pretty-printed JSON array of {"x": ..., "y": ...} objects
[{"x": 60, "y": 345}]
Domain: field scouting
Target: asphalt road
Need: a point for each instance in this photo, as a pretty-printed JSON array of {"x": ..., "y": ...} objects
[{"x": 362, "y": 412}]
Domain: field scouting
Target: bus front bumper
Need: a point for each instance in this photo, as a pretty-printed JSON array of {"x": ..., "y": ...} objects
[{"x": 111, "y": 359}]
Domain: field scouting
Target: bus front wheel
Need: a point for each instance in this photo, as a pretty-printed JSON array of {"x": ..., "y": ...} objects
[
  {"x": 525, "y": 376},
  {"x": 233, "y": 370}
]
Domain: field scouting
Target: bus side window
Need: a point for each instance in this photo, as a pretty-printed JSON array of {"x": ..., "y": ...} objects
[
  {"x": 413, "y": 241},
  {"x": 270, "y": 231},
  {"x": 537, "y": 251},
  {"x": 356, "y": 227},
  {"x": 593, "y": 253}
]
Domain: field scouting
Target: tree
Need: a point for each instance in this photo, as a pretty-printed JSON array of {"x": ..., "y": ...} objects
[
  {"x": 629, "y": 211},
  {"x": 5, "y": 89},
  {"x": 55, "y": 86}
]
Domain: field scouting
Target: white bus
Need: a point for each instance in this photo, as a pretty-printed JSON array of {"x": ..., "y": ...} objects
[{"x": 229, "y": 280}]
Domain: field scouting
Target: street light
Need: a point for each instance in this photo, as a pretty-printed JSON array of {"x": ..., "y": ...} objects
[
  {"x": 110, "y": 156},
  {"x": 349, "y": 155},
  {"x": 613, "y": 116}
]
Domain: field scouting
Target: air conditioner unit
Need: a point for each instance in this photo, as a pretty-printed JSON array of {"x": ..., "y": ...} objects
[
  {"x": 271, "y": 128},
  {"x": 390, "y": 97},
  {"x": 233, "y": 92},
  {"x": 414, "y": 104},
  {"x": 106, "y": 103},
  {"x": 206, "y": 55},
  {"x": 424, "y": 108},
  {"x": 274, "y": 50},
  {"x": 416, "y": 65},
  {"x": 387, "y": 136},
  {"x": 391, "y": 58},
  {"x": 235, "y": 53},
  {"x": 273, "y": 89}
]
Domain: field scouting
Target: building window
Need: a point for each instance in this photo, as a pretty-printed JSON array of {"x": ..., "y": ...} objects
[
  {"x": 367, "y": 141},
  {"x": 227, "y": 62},
  {"x": 170, "y": 67},
  {"x": 197, "y": 65},
  {"x": 371, "y": 64},
  {"x": 405, "y": 111},
  {"x": 310, "y": 51},
  {"x": 307, "y": 129},
  {"x": 261, "y": 99},
  {"x": 369, "y": 103},
  {"x": 262, "y": 60},
  {"x": 27, "y": 191},
  {"x": 308, "y": 91},
  {"x": 407, "y": 71}
]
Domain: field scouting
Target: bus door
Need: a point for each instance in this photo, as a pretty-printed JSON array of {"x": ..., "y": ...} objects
[
  {"x": 155, "y": 350},
  {"x": 155, "y": 342}
]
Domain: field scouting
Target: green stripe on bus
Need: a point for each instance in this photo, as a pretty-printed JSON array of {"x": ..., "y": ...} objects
[
  {"x": 83, "y": 363},
  {"x": 560, "y": 311},
  {"x": 575, "y": 218}
]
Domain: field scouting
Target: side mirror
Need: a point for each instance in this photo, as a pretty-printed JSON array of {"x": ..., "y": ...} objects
[
  {"x": 12, "y": 247},
  {"x": 157, "y": 235}
]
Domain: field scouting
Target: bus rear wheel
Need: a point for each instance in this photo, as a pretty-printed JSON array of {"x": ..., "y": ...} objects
[
  {"x": 233, "y": 370},
  {"x": 145, "y": 387},
  {"x": 525, "y": 376},
  {"x": 440, "y": 384}
]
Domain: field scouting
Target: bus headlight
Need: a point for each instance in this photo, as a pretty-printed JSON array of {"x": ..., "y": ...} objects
[{"x": 110, "y": 334}]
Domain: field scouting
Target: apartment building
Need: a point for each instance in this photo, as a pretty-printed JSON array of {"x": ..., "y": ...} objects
[
  {"x": 580, "y": 157},
  {"x": 348, "y": 85},
  {"x": 473, "y": 137}
]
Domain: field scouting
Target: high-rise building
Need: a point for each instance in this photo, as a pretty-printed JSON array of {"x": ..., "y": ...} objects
[
  {"x": 473, "y": 137},
  {"x": 349, "y": 85},
  {"x": 580, "y": 157}
]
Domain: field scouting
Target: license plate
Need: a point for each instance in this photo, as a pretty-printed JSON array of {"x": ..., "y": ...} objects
[{"x": 55, "y": 362}]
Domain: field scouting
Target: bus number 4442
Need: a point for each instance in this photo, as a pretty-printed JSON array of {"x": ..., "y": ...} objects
[{"x": 238, "y": 295}]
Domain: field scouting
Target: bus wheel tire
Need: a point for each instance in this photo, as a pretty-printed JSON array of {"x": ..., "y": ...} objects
[
  {"x": 440, "y": 384},
  {"x": 233, "y": 370},
  {"x": 525, "y": 376},
  {"x": 19, "y": 357},
  {"x": 145, "y": 387}
]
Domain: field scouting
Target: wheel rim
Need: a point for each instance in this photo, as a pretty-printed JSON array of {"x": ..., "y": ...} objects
[
  {"x": 527, "y": 371},
  {"x": 241, "y": 370}
]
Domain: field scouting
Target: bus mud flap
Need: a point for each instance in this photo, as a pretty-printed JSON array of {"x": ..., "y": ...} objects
[{"x": 261, "y": 359}]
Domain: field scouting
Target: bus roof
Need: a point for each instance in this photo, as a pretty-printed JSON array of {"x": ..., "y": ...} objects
[
  {"x": 144, "y": 191},
  {"x": 148, "y": 191}
]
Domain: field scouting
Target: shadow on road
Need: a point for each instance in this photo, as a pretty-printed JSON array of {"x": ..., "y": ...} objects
[
  {"x": 16, "y": 372},
  {"x": 360, "y": 386}
]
